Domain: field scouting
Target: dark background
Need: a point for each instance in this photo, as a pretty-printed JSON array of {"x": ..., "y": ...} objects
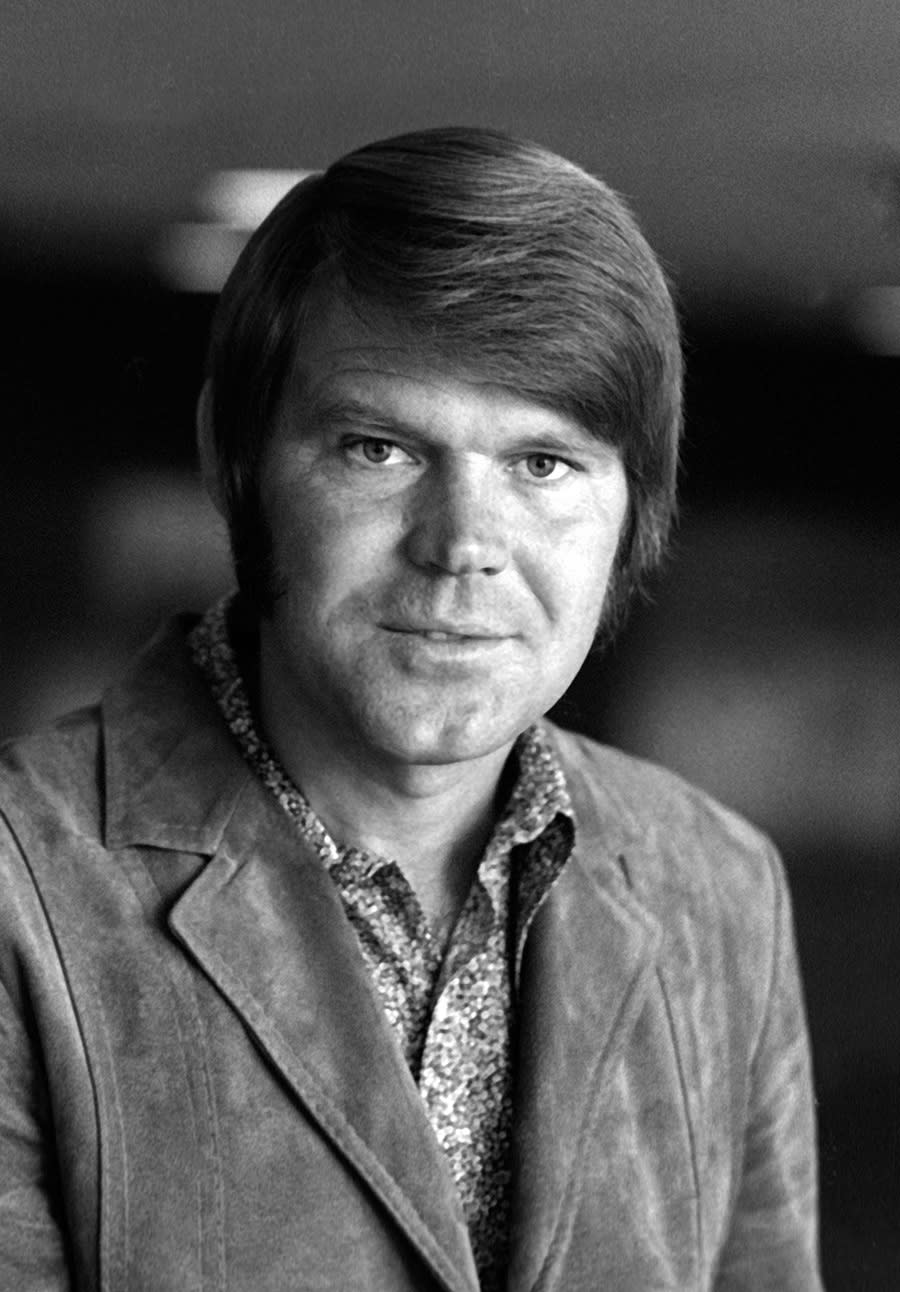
[{"x": 761, "y": 146}]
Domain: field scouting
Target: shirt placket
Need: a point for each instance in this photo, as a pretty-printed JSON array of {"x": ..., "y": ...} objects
[{"x": 465, "y": 1080}]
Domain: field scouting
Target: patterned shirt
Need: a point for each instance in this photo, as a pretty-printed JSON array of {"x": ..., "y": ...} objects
[{"x": 452, "y": 1014}]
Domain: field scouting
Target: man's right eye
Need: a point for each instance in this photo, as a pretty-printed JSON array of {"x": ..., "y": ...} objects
[{"x": 376, "y": 452}]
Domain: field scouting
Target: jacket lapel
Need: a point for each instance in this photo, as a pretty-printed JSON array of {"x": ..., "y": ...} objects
[
  {"x": 264, "y": 921},
  {"x": 589, "y": 958}
]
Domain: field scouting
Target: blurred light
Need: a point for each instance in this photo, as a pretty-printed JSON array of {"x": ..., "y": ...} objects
[
  {"x": 242, "y": 199},
  {"x": 197, "y": 256},
  {"x": 875, "y": 319}
]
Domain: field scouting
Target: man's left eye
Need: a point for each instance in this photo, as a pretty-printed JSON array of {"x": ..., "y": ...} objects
[{"x": 544, "y": 466}]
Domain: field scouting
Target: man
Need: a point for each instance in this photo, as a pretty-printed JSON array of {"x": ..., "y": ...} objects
[{"x": 327, "y": 963}]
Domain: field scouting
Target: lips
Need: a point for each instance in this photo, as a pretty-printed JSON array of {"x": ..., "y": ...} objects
[{"x": 449, "y": 632}]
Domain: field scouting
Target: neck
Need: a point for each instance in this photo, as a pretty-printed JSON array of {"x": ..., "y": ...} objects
[
  {"x": 434, "y": 820},
  {"x": 434, "y": 826}
]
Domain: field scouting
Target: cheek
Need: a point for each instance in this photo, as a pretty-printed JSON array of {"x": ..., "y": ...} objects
[
  {"x": 325, "y": 547},
  {"x": 300, "y": 517},
  {"x": 570, "y": 570}
]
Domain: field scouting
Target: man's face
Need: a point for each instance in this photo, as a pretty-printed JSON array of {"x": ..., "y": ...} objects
[{"x": 444, "y": 548}]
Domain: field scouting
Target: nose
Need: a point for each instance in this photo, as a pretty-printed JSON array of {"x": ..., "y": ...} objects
[{"x": 458, "y": 526}]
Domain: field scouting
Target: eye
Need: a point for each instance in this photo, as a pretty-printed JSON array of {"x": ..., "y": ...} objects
[
  {"x": 377, "y": 452},
  {"x": 544, "y": 466}
]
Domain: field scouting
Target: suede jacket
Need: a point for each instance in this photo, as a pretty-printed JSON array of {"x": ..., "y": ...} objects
[{"x": 199, "y": 1088}]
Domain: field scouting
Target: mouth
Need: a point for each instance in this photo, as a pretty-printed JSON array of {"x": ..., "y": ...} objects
[
  {"x": 474, "y": 633},
  {"x": 460, "y": 646}
]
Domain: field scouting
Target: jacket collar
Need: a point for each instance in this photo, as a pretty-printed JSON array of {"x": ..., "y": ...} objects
[{"x": 263, "y": 920}]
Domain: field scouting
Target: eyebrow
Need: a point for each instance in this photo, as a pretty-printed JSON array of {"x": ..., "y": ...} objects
[{"x": 349, "y": 408}]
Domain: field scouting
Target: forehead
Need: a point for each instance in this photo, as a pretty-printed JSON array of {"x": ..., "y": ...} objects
[{"x": 348, "y": 351}]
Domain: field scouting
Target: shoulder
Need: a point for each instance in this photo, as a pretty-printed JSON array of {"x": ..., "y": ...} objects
[
  {"x": 84, "y": 799},
  {"x": 55, "y": 772},
  {"x": 50, "y": 799},
  {"x": 649, "y": 796},
  {"x": 54, "y": 781},
  {"x": 682, "y": 849},
  {"x": 713, "y": 884}
]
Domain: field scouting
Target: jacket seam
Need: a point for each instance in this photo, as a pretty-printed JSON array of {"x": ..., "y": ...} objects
[
  {"x": 691, "y": 1133},
  {"x": 89, "y": 1061},
  {"x": 778, "y": 916},
  {"x": 109, "y": 1237},
  {"x": 566, "y": 1215},
  {"x": 184, "y": 999},
  {"x": 220, "y": 1272}
]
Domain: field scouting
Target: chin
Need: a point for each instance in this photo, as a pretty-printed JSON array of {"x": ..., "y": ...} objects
[{"x": 439, "y": 741}]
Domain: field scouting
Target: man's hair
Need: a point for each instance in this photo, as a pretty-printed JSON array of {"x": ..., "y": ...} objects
[{"x": 498, "y": 258}]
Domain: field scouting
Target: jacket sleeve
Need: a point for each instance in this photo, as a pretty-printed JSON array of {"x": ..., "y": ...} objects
[
  {"x": 773, "y": 1238},
  {"x": 32, "y": 1246}
]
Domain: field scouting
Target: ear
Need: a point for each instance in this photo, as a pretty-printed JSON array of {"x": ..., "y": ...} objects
[{"x": 206, "y": 449}]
